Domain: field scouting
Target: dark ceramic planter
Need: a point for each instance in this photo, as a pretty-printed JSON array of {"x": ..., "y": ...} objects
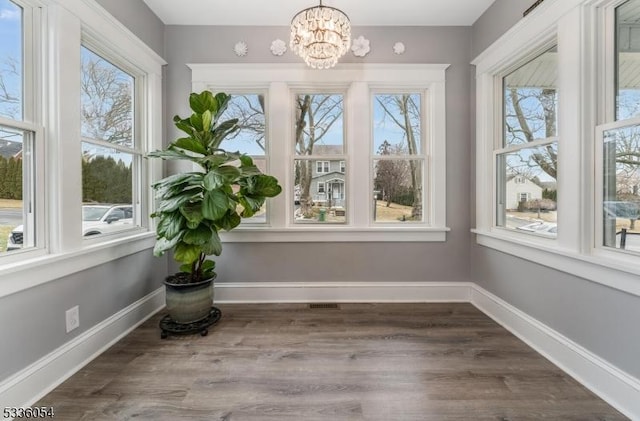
[{"x": 188, "y": 303}]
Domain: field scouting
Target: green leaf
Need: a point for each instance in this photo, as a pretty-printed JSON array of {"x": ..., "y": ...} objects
[
  {"x": 170, "y": 154},
  {"x": 214, "y": 246},
  {"x": 230, "y": 220},
  {"x": 206, "y": 120},
  {"x": 186, "y": 268},
  {"x": 246, "y": 161},
  {"x": 250, "y": 170},
  {"x": 215, "y": 204},
  {"x": 199, "y": 236},
  {"x": 190, "y": 144},
  {"x": 193, "y": 213},
  {"x": 186, "y": 253},
  {"x": 250, "y": 205},
  {"x": 183, "y": 125},
  {"x": 207, "y": 269},
  {"x": 170, "y": 225},
  {"x": 177, "y": 179},
  {"x": 202, "y": 102},
  {"x": 222, "y": 101},
  {"x": 169, "y": 204},
  {"x": 213, "y": 180},
  {"x": 163, "y": 244},
  {"x": 196, "y": 121},
  {"x": 218, "y": 177},
  {"x": 266, "y": 186}
]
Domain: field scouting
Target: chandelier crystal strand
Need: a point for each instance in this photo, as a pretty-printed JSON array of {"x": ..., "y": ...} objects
[{"x": 320, "y": 35}]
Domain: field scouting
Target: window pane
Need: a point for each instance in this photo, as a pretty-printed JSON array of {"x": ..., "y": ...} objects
[
  {"x": 318, "y": 123},
  {"x": 396, "y": 124},
  {"x": 106, "y": 101},
  {"x": 249, "y": 110},
  {"x": 531, "y": 100},
  {"x": 107, "y": 190},
  {"x": 627, "y": 61},
  {"x": 527, "y": 190},
  {"x": 319, "y": 196},
  {"x": 15, "y": 232},
  {"x": 621, "y": 195},
  {"x": 11, "y": 72},
  {"x": 398, "y": 190}
]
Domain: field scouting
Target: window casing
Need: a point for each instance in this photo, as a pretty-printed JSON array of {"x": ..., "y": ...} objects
[
  {"x": 53, "y": 242},
  {"x": 344, "y": 212},
  {"x": 584, "y": 32},
  {"x": 21, "y": 139}
]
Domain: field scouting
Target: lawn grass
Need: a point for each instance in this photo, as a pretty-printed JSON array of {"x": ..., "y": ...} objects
[
  {"x": 5, "y": 230},
  {"x": 10, "y": 203},
  {"x": 392, "y": 213}
]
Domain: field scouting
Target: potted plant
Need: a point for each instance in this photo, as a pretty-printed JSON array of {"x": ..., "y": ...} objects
[{"x": 194, "y": 206}]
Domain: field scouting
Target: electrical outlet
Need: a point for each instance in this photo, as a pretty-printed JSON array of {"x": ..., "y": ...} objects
[{"x": 73, "y": 318}]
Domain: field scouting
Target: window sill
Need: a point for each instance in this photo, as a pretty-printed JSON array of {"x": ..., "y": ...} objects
[
  {"x": 31, "y": 272},
  {"x": 333, "y": 233},
  {"x": 596, "y": 268}
]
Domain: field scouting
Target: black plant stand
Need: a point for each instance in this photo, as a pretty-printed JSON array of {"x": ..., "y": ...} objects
[{"x": 169, "y": 326}]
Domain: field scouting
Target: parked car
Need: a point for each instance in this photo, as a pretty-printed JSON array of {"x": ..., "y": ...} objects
[
  {"x": 96, "y": 219},
  {"x": 548, "y": 229}
]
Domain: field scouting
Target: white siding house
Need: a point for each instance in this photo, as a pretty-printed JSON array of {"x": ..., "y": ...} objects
[{"x": 520, "y": 188}]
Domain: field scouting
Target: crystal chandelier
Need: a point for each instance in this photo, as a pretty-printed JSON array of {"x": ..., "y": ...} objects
[{"x": 320, "y": 35}]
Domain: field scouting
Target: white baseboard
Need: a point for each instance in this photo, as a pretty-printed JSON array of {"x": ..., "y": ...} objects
[
  {"x": 341, "y": 292},
  {"x": 32, "y": 383},
  {"x": 619, "y": 389}
]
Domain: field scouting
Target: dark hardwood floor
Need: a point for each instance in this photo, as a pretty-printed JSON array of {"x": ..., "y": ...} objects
[{"x": 358, "y": 362}]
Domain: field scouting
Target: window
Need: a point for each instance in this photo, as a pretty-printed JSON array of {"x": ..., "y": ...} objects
[
  {"x": 19, "y": 135},
  {"x": 527, "y": 158},
  {"x": 111, "y": 152},
  {"x": 75, "y": 119},
  {"x": 322, "y": 127},
  {"x": 251, "y": 138},
  {"x": 319, "y": 134},
  {"x": 579, "y": 117},
  {"x": 620, "y": 139},
  {"x": 399, "y": 162},
  {"x": 322, "y": 167}
]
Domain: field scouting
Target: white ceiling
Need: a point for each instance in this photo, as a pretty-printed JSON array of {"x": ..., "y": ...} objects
[{"x": 280, "y": 12}]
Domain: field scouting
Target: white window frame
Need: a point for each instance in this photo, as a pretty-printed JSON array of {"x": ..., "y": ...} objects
[
  {"x": 321, "y": 184},
  {"x": 33, "y": 198},
  {"x": 576, "y": 26},
  {"x": 357, "y": 81},
  {"x": 343, "y": 167},
  {"x": 60, "y": 30},
  {"x": 422, "y": 156},
  {"x": 137, "y": 150}
]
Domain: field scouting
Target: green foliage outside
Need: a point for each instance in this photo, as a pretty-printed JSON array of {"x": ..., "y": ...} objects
[
  {"x": 550, "y": 194},
  {"x": 10, "y": 178},
  {"x": 106, "y": 181}
]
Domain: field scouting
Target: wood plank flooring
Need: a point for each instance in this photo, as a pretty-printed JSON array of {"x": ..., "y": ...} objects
[{"x": 357, "y": 362}]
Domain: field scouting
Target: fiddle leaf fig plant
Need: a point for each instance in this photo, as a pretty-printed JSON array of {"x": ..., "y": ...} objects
[{"x": 194, "y": 206}]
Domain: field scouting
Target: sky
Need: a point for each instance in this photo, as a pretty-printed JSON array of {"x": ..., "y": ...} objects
[{"x": 10, "y": 46}]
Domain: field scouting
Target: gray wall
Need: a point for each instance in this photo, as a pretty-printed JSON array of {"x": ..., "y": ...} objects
[
  {"x": 139, "y": 19},
  {"x": 345, "y": 261},
  {"x": 33, "y": 320},
  {"x": 601, "y": 319},
  {"x": 495, "y": 21}
]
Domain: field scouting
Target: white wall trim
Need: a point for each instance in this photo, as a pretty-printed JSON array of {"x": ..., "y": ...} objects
[
  {"x": 341, "y": 292},
  {"x": 617, "y": 388},
  {"x": 29, "y": 385}
]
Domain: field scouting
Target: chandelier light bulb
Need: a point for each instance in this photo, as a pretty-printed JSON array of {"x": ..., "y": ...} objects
[{"x": 320, "y": 35}]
